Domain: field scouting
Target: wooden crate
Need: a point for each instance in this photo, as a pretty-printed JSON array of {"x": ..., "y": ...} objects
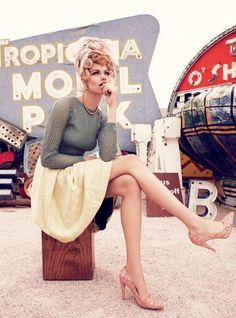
[{"x": 69, "y": 261}]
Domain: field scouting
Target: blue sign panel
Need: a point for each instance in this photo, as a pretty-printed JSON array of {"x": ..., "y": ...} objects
[{"x": 36, "y": 71}]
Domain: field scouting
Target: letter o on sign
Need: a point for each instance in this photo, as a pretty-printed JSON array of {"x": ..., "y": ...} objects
[
  {"x": 58, "y": 92},
  {"x": 195, "y": 78}
]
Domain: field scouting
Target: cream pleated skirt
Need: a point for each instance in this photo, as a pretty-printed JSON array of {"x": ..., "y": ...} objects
[{"x": 65, "y": 201}]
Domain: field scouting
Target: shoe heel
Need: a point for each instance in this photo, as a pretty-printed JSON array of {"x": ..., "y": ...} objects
[
  {"x": 147, "y": 302},
  {"x": 203, "y": 244},
  {"x": 122, "y": 288},
  {"x": 228, "y": 219}
]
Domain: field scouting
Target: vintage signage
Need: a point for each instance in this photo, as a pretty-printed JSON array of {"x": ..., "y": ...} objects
[
  {"x": 36, "y": 71},
  {"x": 213, "y": 66},
  {"x": 192, "y": 169},
  {"x": 213, "y": 69},
  {"x": 171, "y": 181},
  {"x": 205, "y": 99}
]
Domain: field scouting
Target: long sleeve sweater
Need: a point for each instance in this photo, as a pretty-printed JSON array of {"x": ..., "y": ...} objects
[{"x": 71, "y": 131}]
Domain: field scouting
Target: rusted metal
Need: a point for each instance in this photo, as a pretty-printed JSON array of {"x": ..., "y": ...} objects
[
  {"x": 31, "y": 154},
  {"x": 12, "y": 135}
]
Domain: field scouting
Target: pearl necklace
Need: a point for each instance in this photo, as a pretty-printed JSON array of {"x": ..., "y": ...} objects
[{"x": 87, "y": 110}]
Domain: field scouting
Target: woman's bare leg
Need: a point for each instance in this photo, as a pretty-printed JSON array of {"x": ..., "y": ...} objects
[
  {"x": 158, "y": 193},
  {"x": 131, "y": 215}
]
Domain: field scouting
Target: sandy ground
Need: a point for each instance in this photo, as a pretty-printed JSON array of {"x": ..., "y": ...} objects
[{"x": 189, "y": 280}]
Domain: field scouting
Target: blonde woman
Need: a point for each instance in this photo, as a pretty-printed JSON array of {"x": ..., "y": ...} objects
[{"x": 70, "y": 187}]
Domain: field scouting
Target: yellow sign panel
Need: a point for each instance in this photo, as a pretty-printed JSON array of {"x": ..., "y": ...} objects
[{"x": 192, "y": 169}]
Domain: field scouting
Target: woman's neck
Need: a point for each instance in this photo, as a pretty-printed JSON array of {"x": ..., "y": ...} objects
[{"x": 91, "y": 101}]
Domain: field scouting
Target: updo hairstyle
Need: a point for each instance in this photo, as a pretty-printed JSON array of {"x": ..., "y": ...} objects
[{"x": 96, "y": 57}]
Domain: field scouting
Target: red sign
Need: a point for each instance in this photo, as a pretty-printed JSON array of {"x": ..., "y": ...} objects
[
  {"x": 171, "y": 181},
  {"x": 213, "y": 66}
]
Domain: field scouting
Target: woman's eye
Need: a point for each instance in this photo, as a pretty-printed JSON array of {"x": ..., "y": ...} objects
[
  {"x": 107, "y": 73},
  {"x": 94, "y": 73}
]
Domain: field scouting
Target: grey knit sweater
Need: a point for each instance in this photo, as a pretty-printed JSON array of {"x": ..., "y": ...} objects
[{"x": 71, "y": 131}]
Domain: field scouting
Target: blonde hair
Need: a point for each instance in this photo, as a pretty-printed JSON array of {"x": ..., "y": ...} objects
[
  {"x": 96, "y": 57},
  {"x": 89, "y": 51}
]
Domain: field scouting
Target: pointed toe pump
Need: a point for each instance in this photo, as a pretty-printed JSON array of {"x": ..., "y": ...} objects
[
  {"x": 147, "y": 302},
  {"x": 201, "y": 239}
]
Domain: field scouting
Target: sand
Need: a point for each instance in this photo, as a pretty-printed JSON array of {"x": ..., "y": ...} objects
[{"x": 189, "y": 280}]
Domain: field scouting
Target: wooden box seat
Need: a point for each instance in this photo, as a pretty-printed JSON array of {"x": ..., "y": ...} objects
[{"x": 69, "y": 261}]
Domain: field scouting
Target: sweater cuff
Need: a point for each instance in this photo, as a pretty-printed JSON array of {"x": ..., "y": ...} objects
[{"x": 109, "y": 125}]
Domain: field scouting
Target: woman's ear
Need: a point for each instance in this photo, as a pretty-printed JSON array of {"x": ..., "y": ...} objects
[{"x": 85, "y": 84}]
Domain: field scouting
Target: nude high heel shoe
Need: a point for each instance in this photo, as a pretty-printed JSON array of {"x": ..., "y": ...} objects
[
  {"x": 126, "y": 281},
  {"x": 201, "y": 239}
]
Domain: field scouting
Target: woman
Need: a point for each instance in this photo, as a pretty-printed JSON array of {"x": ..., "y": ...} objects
[{"x": 74, "y": 126}]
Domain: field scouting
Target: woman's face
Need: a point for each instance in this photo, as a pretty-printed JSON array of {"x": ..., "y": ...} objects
[{"x": 99, "y": 76}]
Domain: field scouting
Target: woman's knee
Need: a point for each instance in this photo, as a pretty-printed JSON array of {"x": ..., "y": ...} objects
[
  {"x": 128, "y": 184},
  {"x": 130, "y": 161},
  {"x": 126, "y": 165}
]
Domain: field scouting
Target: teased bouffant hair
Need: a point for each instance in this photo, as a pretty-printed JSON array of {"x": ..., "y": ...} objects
[{"x": 98, "y": 58}]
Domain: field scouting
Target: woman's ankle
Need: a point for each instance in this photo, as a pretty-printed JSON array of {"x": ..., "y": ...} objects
[
  {"x": 197, "y": 225},
  {"x": 208, "y": 226},
  {"x": 137, "y": 278}
]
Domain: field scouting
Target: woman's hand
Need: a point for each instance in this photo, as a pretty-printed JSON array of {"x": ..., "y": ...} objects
[{"x": 110, "y": 93}]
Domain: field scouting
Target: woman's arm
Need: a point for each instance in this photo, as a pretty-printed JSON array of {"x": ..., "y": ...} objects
[
  {"x": 50, "y": 156},
  {"x": 107, "y": 137},
  {"x": 107, "y": 141}
]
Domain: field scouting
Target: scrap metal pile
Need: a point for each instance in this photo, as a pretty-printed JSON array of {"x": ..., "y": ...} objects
[{"x": 18, "y": 157}]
